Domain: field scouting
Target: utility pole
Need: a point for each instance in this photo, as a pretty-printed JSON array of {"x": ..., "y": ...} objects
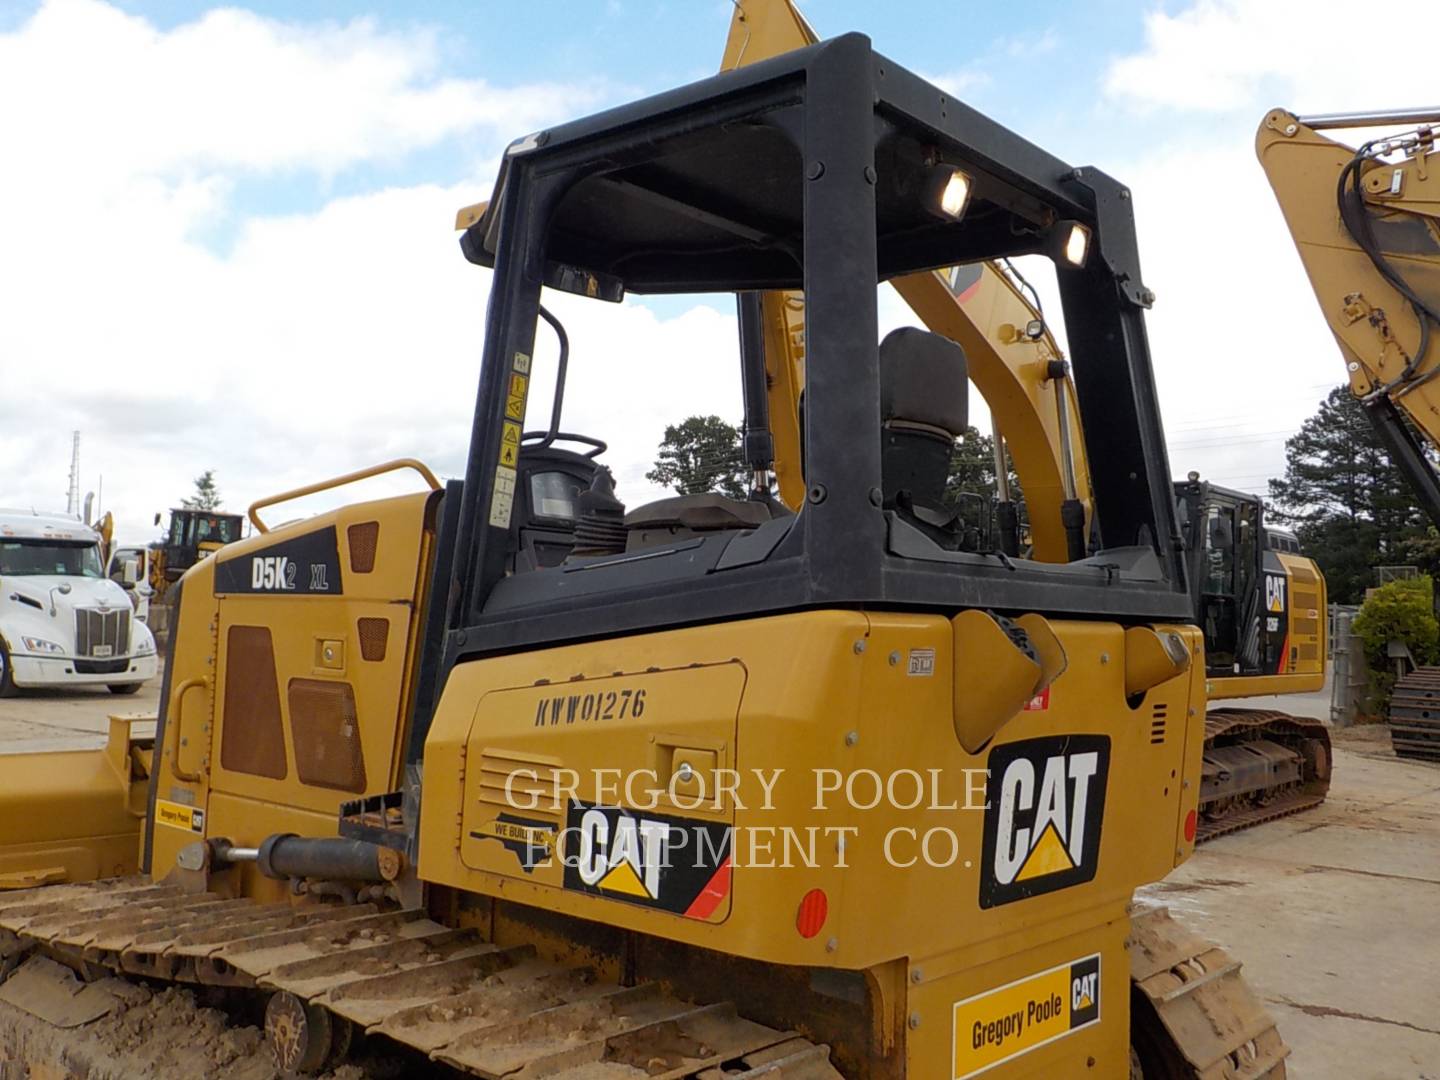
[{"x": 72, "y": 501}]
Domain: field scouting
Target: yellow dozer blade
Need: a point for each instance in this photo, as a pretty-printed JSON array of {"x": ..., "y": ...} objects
[{"x": 75, "y": 815}]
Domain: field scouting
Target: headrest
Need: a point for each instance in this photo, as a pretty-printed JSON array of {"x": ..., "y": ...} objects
[{"x": 924, "y": 380}]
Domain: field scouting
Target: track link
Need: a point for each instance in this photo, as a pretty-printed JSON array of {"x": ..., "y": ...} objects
[
  {"x": 1259, "y": 765},
  {"x": 1193, "y": 1016},
  {"x": 1414, "y": 715},
  {"x": 446, "y": 994}
]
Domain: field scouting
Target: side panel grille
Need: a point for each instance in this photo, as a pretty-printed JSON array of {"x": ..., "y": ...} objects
[
  {"x": 327, "y": 734},
  {"x": 363, "y": 538},
  {"x": 374, "y": 637},
  {"x": 1158, "y": 718},
  {"x": 519, "y": 781},
  {"x": 102, "y": 633},
  {"x": 252, "y": 739}
]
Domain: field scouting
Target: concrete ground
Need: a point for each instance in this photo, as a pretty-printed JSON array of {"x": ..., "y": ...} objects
[
  {"x": 1335, "y": 914},
  {"x": 40, "y": 720}
]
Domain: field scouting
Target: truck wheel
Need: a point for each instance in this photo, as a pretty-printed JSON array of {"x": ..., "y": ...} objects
[
  {"x": 7, "y": 678},
  {"x": 125, "y": 688}
]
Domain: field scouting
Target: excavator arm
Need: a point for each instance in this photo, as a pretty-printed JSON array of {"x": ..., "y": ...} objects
[
  {"x": 1013, "y": 359},
  {"x": 1366, "y": 222}
]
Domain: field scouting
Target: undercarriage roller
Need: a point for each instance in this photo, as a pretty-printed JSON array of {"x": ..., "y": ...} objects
[{"x": 304, "y": 1037}]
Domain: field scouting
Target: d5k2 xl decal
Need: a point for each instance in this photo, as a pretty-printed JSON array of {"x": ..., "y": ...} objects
[
  {"x": 1045, "y": 805},
  {"x": 675, "y": 864},
  {"x": 306, "y": 564}
]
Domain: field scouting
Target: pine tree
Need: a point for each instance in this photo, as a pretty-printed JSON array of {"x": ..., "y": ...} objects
[
  {"x": 207, "y": 495},
  {"x": 1351, "y": 507}
]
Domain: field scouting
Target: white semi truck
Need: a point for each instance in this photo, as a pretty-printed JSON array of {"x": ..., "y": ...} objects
[{"x": 62, "y": 621}]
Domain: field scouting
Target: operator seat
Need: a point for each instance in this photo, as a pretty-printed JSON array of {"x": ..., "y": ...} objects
[{"x": 924, "y": 408}]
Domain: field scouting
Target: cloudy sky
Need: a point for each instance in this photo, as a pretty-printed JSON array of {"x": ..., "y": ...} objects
[{"x": 225, "y": 233}]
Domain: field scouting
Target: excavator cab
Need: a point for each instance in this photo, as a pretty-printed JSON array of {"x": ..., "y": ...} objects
[
  {"x": 1258, "y": 600},
  {"x": 1222, "y": 530}
]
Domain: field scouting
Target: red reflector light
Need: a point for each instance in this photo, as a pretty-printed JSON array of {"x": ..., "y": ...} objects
[
  {"x": 813, "y": 911},
  {"x": 1190, "y": 827}
]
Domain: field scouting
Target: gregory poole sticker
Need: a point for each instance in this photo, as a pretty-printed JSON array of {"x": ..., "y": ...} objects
[
  {"x": 1044, "y": 809},
  {"x": 1013, "y": 1019},
  {"x": 176, "y": 816}
]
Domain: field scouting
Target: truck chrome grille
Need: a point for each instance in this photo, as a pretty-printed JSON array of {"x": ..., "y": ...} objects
[{"x": 102, "y": 633}]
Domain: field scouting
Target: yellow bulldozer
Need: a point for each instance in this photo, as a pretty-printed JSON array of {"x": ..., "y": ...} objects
[{"x": 804, "y": 786}]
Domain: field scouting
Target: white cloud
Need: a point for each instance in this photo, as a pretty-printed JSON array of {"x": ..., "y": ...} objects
[
  {"x": 961, "y": 82},
  {"x": 314, "y": 343},
  {"x": 1242, "y": 352},
  {"x": 1309, "y": 55},
  {"x": 235, "y": 90}
]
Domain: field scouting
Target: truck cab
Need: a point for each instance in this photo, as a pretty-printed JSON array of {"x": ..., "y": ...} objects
[
  {"x": 131, "y": 567},
  {"x": 62, "y": 621}
]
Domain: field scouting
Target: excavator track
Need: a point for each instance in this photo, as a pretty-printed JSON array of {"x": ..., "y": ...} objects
[
  {"x": 1193, "y": 1017},
  {"x": 1414, "y": 715},
  {"x": 1259, "y": 765},
  {"x": 332, "y": 971},
  {"x": 450, "y": 996}
]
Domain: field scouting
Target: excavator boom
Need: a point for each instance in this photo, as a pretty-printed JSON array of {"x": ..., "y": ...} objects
[{"x": 1366, "y": 221}]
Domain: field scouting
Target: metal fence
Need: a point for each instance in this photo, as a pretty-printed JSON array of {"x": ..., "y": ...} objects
[{"x": 1349, "y": 676}]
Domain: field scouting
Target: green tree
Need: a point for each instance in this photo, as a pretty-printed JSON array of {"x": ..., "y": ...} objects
[
  {"x": 1423, "y": 550},
  {"x": 207, "y": 495},
  {"x": 701, "y": 454},
  {"x": 972, "y": 467},
  {"x": 1400, "y": 611},
  {"x": 1351, "y": 507}
]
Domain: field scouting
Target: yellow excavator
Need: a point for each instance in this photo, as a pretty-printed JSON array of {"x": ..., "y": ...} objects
[
  {"x": 1262, "y": 610},
  {"x": 1366, "y": 222},
  {"x": 512, "y": 780},
  {"x": 1260, "y": 602}
]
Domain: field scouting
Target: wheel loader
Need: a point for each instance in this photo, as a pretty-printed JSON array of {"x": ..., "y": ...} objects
[{"x": 516, "y": 779}]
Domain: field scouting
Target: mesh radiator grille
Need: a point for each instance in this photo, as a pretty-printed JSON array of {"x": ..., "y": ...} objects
[
  {"x": 102, "y": 633},
  {"x": 374, "y": 637},
  {"x": 327, "y": 734},
  {"x": 364, "y": 540},
  {"x": 253, "y": 737}
]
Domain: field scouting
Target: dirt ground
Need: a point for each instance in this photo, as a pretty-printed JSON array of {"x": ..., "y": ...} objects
[{"x": 161, "y": 1034}]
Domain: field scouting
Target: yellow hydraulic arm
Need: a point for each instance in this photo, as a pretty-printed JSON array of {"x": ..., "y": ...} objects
[
  {"x": 1014, "y": 361},
  {"x": 1366, "y": 221}
]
